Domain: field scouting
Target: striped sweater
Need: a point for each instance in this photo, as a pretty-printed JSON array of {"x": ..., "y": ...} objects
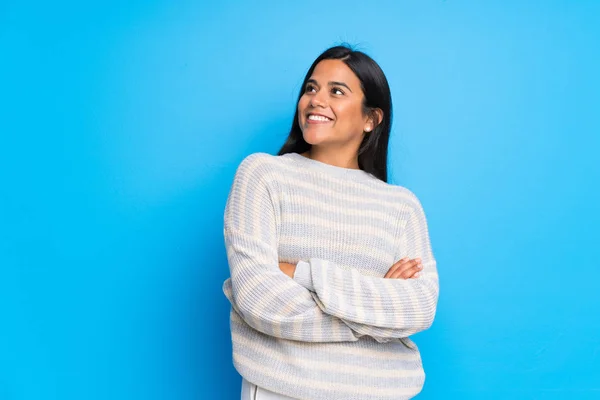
[{"x": 338, "y": 329}]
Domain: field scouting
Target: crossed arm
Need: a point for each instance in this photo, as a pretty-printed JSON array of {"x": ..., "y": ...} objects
[{"x": 323, "y": 302}]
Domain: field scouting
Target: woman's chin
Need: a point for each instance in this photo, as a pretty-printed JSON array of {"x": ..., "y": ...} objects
[
  {"x": 313, "y": 140},
  {"x": 314, "y": 136}
]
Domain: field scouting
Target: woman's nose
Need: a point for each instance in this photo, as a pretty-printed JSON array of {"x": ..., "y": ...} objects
[{"x": 317, "y": 100}]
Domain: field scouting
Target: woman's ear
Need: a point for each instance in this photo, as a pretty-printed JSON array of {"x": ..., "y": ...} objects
[{"x": 375, "y": 118}]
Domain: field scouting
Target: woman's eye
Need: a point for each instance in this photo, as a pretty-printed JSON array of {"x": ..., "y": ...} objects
[
  {"x": 337, "y": 91},
  {"x": 309, "y": 88}
]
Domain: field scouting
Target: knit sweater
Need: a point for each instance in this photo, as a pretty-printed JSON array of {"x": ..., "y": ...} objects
[{"x": 338, "y": 329}]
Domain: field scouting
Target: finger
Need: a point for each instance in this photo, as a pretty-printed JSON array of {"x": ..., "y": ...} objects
[
  {"x": 395, "y": 267},
  {"x": 402, "y": 267},
  {"x": 407, "y": 273},
  {"x": 407, "y": 270},
  {"x": 414, "y": 275},
  {"x": 419, "y": 269}
]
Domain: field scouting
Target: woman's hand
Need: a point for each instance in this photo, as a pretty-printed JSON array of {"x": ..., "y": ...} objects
[
  {"x": 405, "y": 269},
  {"x": 288, "y": 269}
]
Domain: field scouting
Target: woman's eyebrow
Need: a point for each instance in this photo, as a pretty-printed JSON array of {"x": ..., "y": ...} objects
[
  {"x": 331, "y": 83},
  {"x": 340, "y": 84}
]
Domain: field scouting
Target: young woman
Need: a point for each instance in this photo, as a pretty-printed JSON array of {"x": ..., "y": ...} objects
[{"x": 331, "y": 266}]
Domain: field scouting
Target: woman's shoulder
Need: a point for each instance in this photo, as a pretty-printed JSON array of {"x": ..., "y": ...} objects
[
  {"x": 403, "y": 191},
  {"x": 258, "y": 162},
  {"x": 256, "y": 158},
  {"x": 405, "y": 196}
]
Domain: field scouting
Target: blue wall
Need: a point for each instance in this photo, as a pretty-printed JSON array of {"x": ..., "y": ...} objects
[{"x": 122, "y": 125}]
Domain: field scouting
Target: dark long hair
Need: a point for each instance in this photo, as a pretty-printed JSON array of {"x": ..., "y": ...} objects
[{"x": 373, "y": 151}]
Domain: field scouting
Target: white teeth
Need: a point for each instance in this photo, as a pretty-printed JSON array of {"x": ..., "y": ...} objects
[{"x": 318, "y": 118}]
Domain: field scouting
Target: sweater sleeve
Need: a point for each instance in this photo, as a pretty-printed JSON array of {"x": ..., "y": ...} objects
[
  {"x": 383, "y": 308},
  {"x": 266, "y": 298}
]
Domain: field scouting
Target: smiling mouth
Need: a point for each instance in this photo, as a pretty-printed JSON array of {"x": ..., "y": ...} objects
[{"x": 318, "y": 118}]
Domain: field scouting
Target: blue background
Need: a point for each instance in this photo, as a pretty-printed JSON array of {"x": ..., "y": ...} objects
[{"x": 121, "y": 128}]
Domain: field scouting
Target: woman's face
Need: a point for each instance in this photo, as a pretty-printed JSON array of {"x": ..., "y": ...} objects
[{"x": 330, "y": 109}]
